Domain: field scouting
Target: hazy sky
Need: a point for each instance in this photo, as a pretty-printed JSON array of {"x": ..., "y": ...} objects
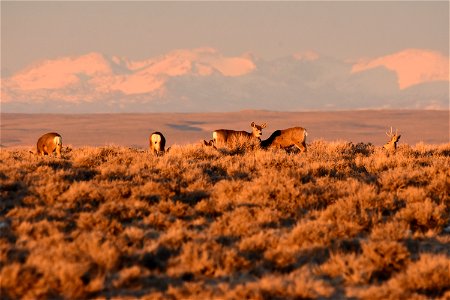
[{"x": 36, "y": 30}]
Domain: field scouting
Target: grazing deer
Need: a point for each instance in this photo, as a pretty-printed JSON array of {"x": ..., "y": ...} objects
[
  {"x": 227, "y": 136},
  {"x": 157, "y": 143},
  {"x": 392, "y": 144},
  {"x": 49, "y": 143},
  {"x": 286, "y": 138}
]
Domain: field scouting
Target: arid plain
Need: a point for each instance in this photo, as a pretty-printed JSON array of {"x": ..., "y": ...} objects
[
  {"x": 133, "y": 130},
  {"x": 108, "y": 220}
]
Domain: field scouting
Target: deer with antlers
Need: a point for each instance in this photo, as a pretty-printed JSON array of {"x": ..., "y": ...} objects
[{"x": 394, "y": 137}]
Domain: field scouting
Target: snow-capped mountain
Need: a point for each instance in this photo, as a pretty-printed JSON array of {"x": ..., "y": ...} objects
[{"x": 206, "y": 80}]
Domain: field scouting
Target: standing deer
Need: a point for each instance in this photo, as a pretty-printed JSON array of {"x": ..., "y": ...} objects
[
  {"x": 227, "y": 136},
  {"x": 49, "y": 143},
  {"x": 157, "y": 143},
  {"x": 286, "y": 138},
  {"x": 392, "y": 144}
]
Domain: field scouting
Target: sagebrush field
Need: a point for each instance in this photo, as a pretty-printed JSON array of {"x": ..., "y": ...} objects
[{"x": 341, "y": 221}]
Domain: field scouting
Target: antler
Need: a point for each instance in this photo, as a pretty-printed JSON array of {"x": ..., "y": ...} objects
[{"x": 390, "y": 133}]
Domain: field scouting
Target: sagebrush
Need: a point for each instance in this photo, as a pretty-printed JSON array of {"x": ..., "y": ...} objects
[{"x": 341, "y": 221}]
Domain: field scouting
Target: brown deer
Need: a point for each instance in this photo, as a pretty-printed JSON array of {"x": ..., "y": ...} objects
[
  {"x": 286, "y": 138},
  {"x": 49, "y": 143},
  {"x": 392, "y": 144},
  {"x": 157, "y": 143},
  {"x": 226, "y": 136}
]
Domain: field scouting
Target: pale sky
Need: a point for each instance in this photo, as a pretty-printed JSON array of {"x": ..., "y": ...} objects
[{"x": 37, "y": 30}]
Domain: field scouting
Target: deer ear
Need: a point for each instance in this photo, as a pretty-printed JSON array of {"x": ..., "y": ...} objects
[
  {"x": 264, "y": 125},
  {"x": 253, "y": 124}
]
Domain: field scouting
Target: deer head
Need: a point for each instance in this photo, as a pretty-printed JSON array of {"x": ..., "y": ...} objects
[
  {"x": 393, "y": 140},
  {"x": 257, "y": 129}
]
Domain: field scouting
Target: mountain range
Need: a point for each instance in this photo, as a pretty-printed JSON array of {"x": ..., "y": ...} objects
[{"x": 204, "y": 80}]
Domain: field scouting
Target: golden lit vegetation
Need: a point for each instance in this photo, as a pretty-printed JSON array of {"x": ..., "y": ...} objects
[{"x": 341, "y": 221}]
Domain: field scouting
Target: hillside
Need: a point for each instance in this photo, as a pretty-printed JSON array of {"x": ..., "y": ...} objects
[{"x": 344, "y": 220}]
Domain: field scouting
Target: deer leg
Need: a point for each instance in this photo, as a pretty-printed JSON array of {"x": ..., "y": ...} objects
[
  {"x": 304, "y": 146},
  {"x": 58, "y": 151},
  {"x": 301, "y": 146}
]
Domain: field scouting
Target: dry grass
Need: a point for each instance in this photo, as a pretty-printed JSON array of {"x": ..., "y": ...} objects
[{"x": 341, "y": 221}]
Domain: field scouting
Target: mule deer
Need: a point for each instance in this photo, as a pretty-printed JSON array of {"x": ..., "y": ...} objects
[
  {"x": 286, "y": 138},
  {"x": 227, "y": 136},
  {"x": 49, "y": 143},
  {"x": 157, "y": 143},
  {"x": 392, "y": 144}
]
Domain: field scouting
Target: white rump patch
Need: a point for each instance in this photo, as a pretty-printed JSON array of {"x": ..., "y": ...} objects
[
  {"x": 215, "y": 136},
  {"x": 57, "y": 140},
  {"x": 156, "y": 138},
  {"x": 306, "y": 133}
]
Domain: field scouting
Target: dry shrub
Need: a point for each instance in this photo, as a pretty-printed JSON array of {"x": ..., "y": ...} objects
[
  {"x": 158, "y": 220},
  {"x": 18, "y": 281},
  {"x": 208, "y": 258},
  {"x": 362, "y": 208},
  {"x": 82, "y": 195},
  {"x": 376, "y": 263},
  {"x": 299, "y": 284},
  {"x": 72, "y": 269},
  {"x": 226, "y": 194},
  {"x": 237, "y": 222},
  {"x": 424, "y": 216},
  {"x": 207, "y": 207},
  {"x": 258, "y": 242},
  {"x": 129, "y": 277},
  {"x": 342, "y": 220},
  {"x": 429, "y": 277},
  {"x": 239, "y": 145},
  {"x": 390, "y": 231}
]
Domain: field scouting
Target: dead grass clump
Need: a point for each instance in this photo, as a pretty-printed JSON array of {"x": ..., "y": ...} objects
[
  {"x": 429, "y": 277},
  {"x": 72, "y": 269},
  {"x": 208, "y": 208},
  {"x": 12, "y": 193},
  {"x": 424, "y": 216},
  {"x": 376, "y": 263},
  {"x": 208, "y": 258},
  {"x": 362, "y": 210},
  {"x": 20, "y": 282},
  {"x": 256, "y": 244},
  {"x": 158, "y": 220},
  {"x": 237, "y": 222},
  {"x": 299, "y": 284},
  {"x": 390, "y": 231},
  {"x": 90, "y": 157},
  {"x": 129, "y": 278},
  {"x": 87, "y": 221},
  {"x": 82, "y": 196},
  {"x": 239, "y": 145}
]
